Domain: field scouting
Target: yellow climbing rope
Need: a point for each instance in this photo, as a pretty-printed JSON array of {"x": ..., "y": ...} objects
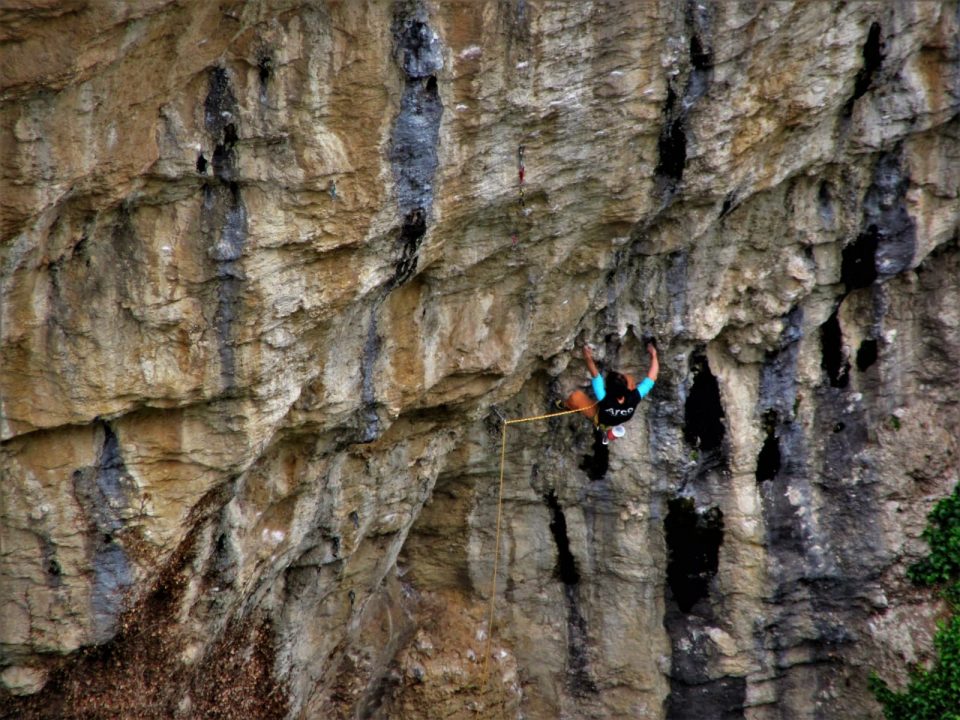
[{"x": 496, "y": 546}]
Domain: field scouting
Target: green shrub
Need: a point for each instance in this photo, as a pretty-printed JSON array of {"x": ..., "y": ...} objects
[
  {"x": 942, "y": 565},
  {"x": 934, "y": 694}
]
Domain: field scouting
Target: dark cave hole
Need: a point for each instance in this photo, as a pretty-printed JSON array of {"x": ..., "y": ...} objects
[
  {"x": 265, "y": 69},
  {"x": 221, "y": 553},
  {"x": 230, "y": 136},
  {"x": 768, "y": 461},
  {"x": 866, "y": 354},
  {"x": 831, "y": 343},
  {"x": 872, "y": 53},
  {"x": 53, "y": 568},
  {"x": 672, "y": 145},
  {"x": 201, "y": 164},
  {"x": 431, "y": 86},
  {"x": 824, "y": 195},
  {"x": 700, "y": 57},
  {"x": 596, "y": 465},
  {"x": 693, "y": 549},
  {"x": 858, "y": 266},
  {"x": 727, "y": 204},
  {"x": 839, "y": 427},
  {"x": 566, "y": 565},
  {"x": 81, "y": 247},
  {"x": 825, "y": 205},
  {"x": 703, "y": 412}
]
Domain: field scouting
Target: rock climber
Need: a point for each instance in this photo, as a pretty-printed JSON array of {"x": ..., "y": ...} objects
[{"x": 617, "y": 395}]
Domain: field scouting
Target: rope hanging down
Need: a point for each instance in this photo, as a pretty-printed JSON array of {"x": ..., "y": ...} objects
[{"x": 496, "y": 545}]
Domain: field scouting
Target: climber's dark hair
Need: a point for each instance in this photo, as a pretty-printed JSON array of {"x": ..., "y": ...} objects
[{"x": 616, "y": 384}]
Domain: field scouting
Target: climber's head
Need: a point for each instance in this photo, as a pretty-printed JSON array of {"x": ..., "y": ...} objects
[{"x": 617, "y": 386}]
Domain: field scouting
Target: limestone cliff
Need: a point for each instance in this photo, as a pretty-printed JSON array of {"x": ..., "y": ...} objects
[{"x": 273, "y": 273}]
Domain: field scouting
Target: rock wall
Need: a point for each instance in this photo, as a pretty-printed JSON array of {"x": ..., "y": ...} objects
[{"x": 273, "y": 273}]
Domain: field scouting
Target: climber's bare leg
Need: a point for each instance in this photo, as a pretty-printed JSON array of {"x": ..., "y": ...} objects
[{"x": 579, "y": 400}]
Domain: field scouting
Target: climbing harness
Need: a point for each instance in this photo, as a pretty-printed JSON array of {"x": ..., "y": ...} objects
[{"x": 496, "y": 547}]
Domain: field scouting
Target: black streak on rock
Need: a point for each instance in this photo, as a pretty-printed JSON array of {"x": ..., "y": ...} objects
[
  {"x": 227, "y": 253},
  {"x": 693, "y": 543},
  {"x": 413, "y": 157},
  {"x": 676, "y": 279},
  {"x": 416, "y": 132},
  {"x": 566, "y": 565},
  {"x": 672, "y": 145},
  {"x": 782, "y": 461},
  {"x": 872, "y": 61},
  {"x": 885, "y": 208},
  {"x": 720, "y": 699},
  {"x": 411, "y": 234},
  {"x": 888, "y": 238},
  {"x": 264, "y": 73},
  {"x": 220, "y": 105},
  {"x": 51, "y": 565},
  {"x": 693, "y": 547},
  {"x": 371, "y": 349},
  {"x": 578, "y": 675},
  {"x": 103, "y": 491},
  {"x": 220, "y": 116},
  {"x": 224, "y": 216}
]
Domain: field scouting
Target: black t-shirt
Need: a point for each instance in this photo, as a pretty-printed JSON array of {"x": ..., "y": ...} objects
[{"x": 610, "y": 412}]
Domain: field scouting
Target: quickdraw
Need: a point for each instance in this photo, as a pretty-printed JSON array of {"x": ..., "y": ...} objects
[
  {"x": 521, "y": 200},
  {"x": 521, "y": 172}
]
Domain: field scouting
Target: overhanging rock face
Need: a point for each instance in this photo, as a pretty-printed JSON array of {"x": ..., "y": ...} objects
[{"x": 266, "y": 270}]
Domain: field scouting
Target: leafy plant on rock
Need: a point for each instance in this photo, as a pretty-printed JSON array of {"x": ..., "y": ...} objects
[{"x": 934, "y": 693}]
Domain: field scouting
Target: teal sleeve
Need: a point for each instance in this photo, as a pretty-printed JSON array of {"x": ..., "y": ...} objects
[
  {"x": 645, "y": 387},
  {"x": 599, "y": 389}
]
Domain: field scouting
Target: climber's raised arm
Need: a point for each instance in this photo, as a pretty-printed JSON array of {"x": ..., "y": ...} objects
[
  {"x": 654, "y": 371},
  {"x": 591, "y": 365},
  {"x": 647, "y": 384}
]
